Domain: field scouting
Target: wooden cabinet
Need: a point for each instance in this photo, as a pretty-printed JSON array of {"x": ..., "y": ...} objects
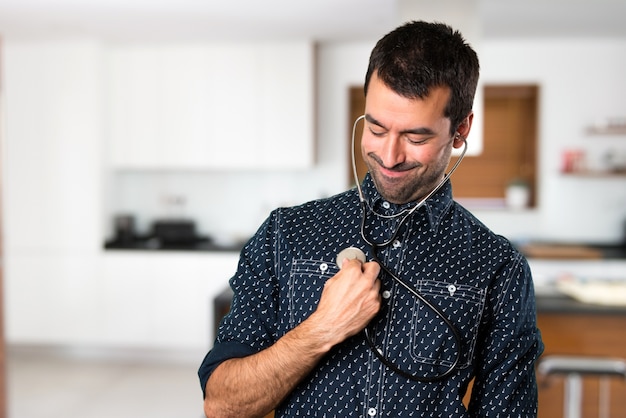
[
  {"x": 211, "y": 106},
  {"x": 582, "y": 333}
]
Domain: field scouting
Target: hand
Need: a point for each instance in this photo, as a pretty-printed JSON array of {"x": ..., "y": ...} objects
[{"x": 349, "y": 301}]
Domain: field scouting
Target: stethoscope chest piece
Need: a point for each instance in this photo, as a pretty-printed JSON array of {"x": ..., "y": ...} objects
[{"x": 350, "y": 253}]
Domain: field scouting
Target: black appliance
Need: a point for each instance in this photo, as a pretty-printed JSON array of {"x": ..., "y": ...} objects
[{"x": 175, "y": 232}]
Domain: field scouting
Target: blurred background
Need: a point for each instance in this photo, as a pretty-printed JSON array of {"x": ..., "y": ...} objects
[{"x": 143, "y": 142}]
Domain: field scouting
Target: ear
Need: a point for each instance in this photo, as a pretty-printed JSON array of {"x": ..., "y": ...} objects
[{"x": 463, "y": 131}]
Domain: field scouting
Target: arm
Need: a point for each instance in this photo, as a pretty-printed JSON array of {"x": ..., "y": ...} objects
[
  {"x": 505, "y": 370},
  {"x": 254, "y": 385}
]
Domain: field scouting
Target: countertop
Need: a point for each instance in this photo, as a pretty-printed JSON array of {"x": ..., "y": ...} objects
[
  {"x": 569, "y": 251},
  {"x": 563, "y": 304},
  {"x": 540, "y": 250},
  {"x": 154, "y": 244}
]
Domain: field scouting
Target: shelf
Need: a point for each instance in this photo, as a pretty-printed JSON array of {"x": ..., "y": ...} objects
[
  {"x": 595, "y": 174},
  {"x": 607, "y": 130}
]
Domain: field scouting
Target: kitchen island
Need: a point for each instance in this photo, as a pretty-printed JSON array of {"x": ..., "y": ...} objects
[{"x": 569, "y": 327}]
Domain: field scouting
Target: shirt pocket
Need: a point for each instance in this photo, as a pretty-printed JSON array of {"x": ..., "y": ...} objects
[
  {"x": 432, "y": 341},
  {"x": 306, "y": 282}
]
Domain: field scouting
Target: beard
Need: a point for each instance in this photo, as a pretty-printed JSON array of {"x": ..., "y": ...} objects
[{"x": 418, "y": 180}]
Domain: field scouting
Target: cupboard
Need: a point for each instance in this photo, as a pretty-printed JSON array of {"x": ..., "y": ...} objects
[{"x": 211, "y": 106}]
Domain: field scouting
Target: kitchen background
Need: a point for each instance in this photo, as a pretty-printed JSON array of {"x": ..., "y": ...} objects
[
  {"x": 578, "y": 81},
  {"x": 94, "y": 127},
  {"x": 97, "y": 128}
]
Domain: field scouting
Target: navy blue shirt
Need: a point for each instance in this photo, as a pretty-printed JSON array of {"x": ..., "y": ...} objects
[{"x": 476, "y": 279}]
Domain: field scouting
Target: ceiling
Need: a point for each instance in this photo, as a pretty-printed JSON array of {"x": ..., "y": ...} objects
[{"x": 321, "y": 20}]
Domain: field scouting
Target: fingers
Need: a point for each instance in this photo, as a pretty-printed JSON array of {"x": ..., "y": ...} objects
[
  {"x": 371, "y": 268},
  {"x": 356, "y": 271},
  {"x": 350, "y": 299},
  {"x": 351, "y": 263}
]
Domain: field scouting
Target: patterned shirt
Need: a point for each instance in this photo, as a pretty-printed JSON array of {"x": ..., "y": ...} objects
[{"x": 474, "y": 277}]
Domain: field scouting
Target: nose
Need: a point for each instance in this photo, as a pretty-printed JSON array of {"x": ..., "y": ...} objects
[{"x": 391, "y": 151}]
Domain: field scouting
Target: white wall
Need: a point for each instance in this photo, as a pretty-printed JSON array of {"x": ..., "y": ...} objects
[{"x": 581, "y": 82}]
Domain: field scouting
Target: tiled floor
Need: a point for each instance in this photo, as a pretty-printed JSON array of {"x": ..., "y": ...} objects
[{"x": 42, "y": 384}]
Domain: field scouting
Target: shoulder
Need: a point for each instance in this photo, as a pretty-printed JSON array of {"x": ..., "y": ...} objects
[
  {"x": 333, "y": 207},
  {"x": 481, "y": 238}
]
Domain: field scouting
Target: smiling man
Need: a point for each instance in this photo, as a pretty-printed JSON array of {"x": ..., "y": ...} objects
[
  {"x": 442, "y": 301},
  {"x": 407, "y": 144}
]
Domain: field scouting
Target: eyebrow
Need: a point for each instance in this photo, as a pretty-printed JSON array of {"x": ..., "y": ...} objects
[{"x": 415, "y": 131}]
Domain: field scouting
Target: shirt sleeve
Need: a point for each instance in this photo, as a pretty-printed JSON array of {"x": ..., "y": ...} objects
[
  {"x": 250, "y": 325},
  {"x": 505, "y": 383}
]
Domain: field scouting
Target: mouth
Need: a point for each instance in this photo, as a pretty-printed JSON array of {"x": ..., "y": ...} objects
[
  {"x": 396, "y": 172},
  {"x": 390, "y": 175}
]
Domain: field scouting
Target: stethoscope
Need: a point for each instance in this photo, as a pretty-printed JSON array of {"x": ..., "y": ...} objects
[{"x": 404, "y": 215}]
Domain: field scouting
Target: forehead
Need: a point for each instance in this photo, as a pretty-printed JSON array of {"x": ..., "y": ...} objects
[{"x": 387, "y": 106}]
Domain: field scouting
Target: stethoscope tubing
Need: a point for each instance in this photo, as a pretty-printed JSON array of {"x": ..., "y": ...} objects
[
  {"x": 376, "y": 246},
  {"x": 453, "y": 329},
  {"x": 406, "y": 212}
]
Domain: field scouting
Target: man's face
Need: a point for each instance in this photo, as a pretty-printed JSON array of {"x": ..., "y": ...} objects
[{"x": 406, "y": 143}]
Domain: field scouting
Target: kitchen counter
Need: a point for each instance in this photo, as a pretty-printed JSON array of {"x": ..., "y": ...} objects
[
  {"x": 154, "y": 244},
  {"x": 571, "y": 328},
  {"x": 563, "y": 304},
  {"x": 565, "y": 251},
  {"x": 552, "y": 251}
]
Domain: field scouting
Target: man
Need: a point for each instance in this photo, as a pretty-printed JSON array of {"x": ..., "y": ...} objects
[{"x": 308, "y": 337}]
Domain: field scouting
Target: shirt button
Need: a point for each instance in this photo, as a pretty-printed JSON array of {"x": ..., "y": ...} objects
[
  {"x": 386, "y": 294},
  {"x": 386, "y": 205},
  {"x": 323, "y": 267},
  {"x": 371, "y": 412},
  {"x": 451, "y": 289},
  {"x": 397, "y": 244}
]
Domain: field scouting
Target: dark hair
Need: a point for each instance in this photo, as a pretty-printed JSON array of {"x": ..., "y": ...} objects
[{"x": 419, "y": 55}]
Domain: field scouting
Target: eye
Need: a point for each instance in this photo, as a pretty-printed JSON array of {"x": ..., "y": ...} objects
[
  {"x": 376, "y": 131},
  {"x": 416, "y": 140}
]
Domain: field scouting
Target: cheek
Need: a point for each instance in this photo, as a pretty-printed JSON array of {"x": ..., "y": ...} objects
[
  {"x": 431, "y": 157},
  {"x": 367, "y": 145},
  {"x": 423, "y": 154},
  {"x": 437, "y": 153}
]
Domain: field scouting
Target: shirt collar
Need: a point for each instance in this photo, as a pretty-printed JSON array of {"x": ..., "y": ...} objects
[{"x": 435, "y": 207}]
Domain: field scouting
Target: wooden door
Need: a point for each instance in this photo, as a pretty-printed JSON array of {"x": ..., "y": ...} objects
[
  {"x": 357, "y": 108},
  {"x": 509, "y": 145}
]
